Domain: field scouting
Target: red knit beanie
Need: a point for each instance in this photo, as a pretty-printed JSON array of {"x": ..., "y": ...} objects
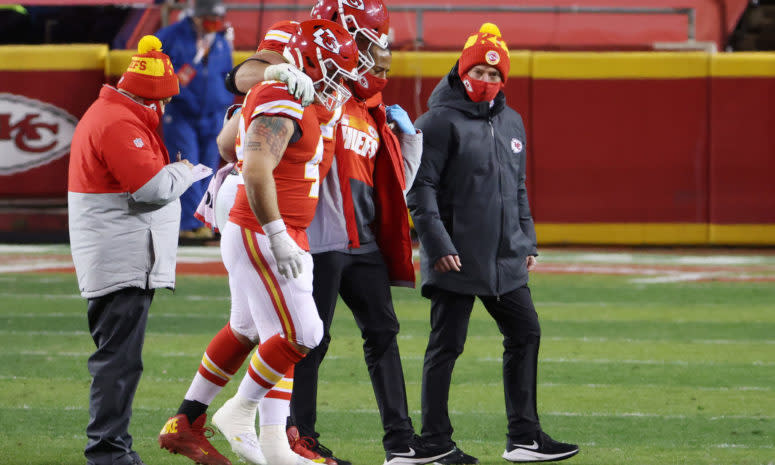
[
  {"x": 150, "y": 73},
  {"x": 485, "y": 48}
]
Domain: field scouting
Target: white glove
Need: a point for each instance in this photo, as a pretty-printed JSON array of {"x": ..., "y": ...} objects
[
  {"x": 299, "y": 84},
  {"x": 287, "y": 253}
]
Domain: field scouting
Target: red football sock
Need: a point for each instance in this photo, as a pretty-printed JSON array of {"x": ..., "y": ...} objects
[{"x": 223, "y": 357}]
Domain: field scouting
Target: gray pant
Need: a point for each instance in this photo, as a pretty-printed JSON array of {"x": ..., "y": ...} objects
[{"x": 117, "y": 325}]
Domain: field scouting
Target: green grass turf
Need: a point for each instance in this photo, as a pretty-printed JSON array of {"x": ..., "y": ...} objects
[{"x": 680, "y": 373}]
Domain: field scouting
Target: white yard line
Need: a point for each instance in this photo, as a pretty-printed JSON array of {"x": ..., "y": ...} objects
[
  {"x": 370, "y": 411},
  {"x": 678, "y": 277},
  {"x": 151, "y": 314},
  {"x": 657, "y": 341},
  {"x": 480, "y": 384},
  {"x": 35, "y": 266},
  {"x": 51, "y": 354},
  {"x": 651, "y": 258},
  {"x": 601, "y": 361},
  {"x": 202, "y": 297},
  {"x": 21, "y": 249},
  {"x": 655, "y": 362},
  {"x": 77, "y": 296},
  {"x": 400, "y": 336},
  {"x": 498, "y": 337}
]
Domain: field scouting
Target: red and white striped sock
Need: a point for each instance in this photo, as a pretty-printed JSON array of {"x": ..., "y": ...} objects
[
  {"x": 273, "y": 358},
  {"x": 275, "y": 407},
  {"x": 222, "y": 358}
]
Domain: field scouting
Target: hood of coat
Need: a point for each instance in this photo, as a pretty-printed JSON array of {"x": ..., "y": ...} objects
[{"x": 450, "y": 93}]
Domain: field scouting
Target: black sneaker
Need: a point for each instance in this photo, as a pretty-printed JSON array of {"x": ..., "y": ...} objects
[
  {"x": 457, "y": 457},
  {"x": 416, "y": 451},
  {"x": 538, "y": 448},
  {"x": 315, "y": 446}
]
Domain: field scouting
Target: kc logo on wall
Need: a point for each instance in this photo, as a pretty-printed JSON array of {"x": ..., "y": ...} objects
[{"x": 32, "y": 133}]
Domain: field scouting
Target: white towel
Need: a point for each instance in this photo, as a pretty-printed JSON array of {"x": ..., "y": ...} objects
[{"x": 205, "y": 212}]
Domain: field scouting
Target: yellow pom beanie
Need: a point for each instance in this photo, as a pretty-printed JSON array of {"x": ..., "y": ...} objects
[
  {"x": 150, "y": 73},
  {"x": 485, "y": 48}
]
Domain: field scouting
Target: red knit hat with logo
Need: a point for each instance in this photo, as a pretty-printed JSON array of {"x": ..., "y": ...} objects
[
  {"x": 150, "y": 73},
  {"x": 485, "y": 48}
]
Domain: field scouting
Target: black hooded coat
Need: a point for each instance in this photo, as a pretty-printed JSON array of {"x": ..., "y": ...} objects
[{"x": 469, "y": 196}]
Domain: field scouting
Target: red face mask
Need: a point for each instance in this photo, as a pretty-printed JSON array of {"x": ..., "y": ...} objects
[
  {"x": 481, "y": 91},
  {"x": 368, "y": 85},
  {"x": 212, "y": 25}
]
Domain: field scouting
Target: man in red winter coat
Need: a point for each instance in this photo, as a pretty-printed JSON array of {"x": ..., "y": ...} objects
[{"x": 124, "y": 216}]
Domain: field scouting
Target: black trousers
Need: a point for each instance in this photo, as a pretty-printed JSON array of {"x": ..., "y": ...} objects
[
  {"x": 362, "y": 281},
  {"x": 518, "y": 322},
  {"x": 117, "y": 324}
]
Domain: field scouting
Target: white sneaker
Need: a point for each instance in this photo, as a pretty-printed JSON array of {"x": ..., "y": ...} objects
[
  {"x": 236, "y": 419},
  {"x": 274, "y": 443}
]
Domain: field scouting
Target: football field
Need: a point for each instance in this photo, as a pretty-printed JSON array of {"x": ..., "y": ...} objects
[{"x": 647, "y": 357}]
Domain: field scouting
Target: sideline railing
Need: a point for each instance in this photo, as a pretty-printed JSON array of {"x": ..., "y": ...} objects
[{"x": 420, "y": 10}]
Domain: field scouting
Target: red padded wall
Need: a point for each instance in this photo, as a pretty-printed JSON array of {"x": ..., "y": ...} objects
[
  {"x": 742, "y": 155},
  {"x": 620, "y": 150}
]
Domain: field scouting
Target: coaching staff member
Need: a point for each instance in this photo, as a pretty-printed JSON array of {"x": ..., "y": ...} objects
[
  {"x": 470, "y": 209},
  {"x": 124, "y": 217}
]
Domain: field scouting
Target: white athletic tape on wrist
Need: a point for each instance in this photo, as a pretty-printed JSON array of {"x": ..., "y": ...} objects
[{"x": 273, "y": 227}]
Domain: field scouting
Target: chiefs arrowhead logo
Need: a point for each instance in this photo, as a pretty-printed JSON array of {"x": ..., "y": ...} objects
[
  {"x": 326, "y": 39},
  {"x": 516, "y": 145},
  {"x": 32, "y": 133},
  {"x": 492, "y": 57},
  {"x": 357, "y": 4}
]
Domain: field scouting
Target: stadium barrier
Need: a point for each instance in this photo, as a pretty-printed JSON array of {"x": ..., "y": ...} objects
[
  {"x": 44, "y": 90},
  {"x": 647, "y": 148}
]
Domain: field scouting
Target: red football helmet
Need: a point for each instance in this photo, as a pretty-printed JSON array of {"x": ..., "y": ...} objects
[
  {"x": 362, "y": 18},
  {"x": 327, "y": 53}
]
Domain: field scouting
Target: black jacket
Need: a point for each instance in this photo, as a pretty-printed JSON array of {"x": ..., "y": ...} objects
[{"x": 469, "y": 197}]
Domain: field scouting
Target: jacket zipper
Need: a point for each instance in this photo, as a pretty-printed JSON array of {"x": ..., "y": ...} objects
[{"x": 500, "y": 230}]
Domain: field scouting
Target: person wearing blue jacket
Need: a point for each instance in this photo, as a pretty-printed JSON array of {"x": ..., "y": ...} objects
[{"x": 202, "y": 56}]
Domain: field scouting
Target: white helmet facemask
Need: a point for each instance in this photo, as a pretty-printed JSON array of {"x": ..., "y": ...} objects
[
  {"x": 329, "y": 89},
  {"x": 365, "y": 60}
]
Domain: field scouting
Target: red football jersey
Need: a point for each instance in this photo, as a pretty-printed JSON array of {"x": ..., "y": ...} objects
[
  {"x": 357, "y": 141},
  {"x": 275, "y": 40},
  {"x": 278, "y": 35},
  {"x": 304, "y": 162}
]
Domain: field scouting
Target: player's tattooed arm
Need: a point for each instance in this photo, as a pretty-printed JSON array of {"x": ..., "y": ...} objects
[
  {"x": 266, "y": 139},
  {"x": 269, "y": 135}
]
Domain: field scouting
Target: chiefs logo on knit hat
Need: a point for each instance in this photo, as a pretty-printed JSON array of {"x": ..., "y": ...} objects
[
  {"x": 485, "y": 48},
  {"x": 492, "y": 57},
  {"x": 150, "y": 73}
]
